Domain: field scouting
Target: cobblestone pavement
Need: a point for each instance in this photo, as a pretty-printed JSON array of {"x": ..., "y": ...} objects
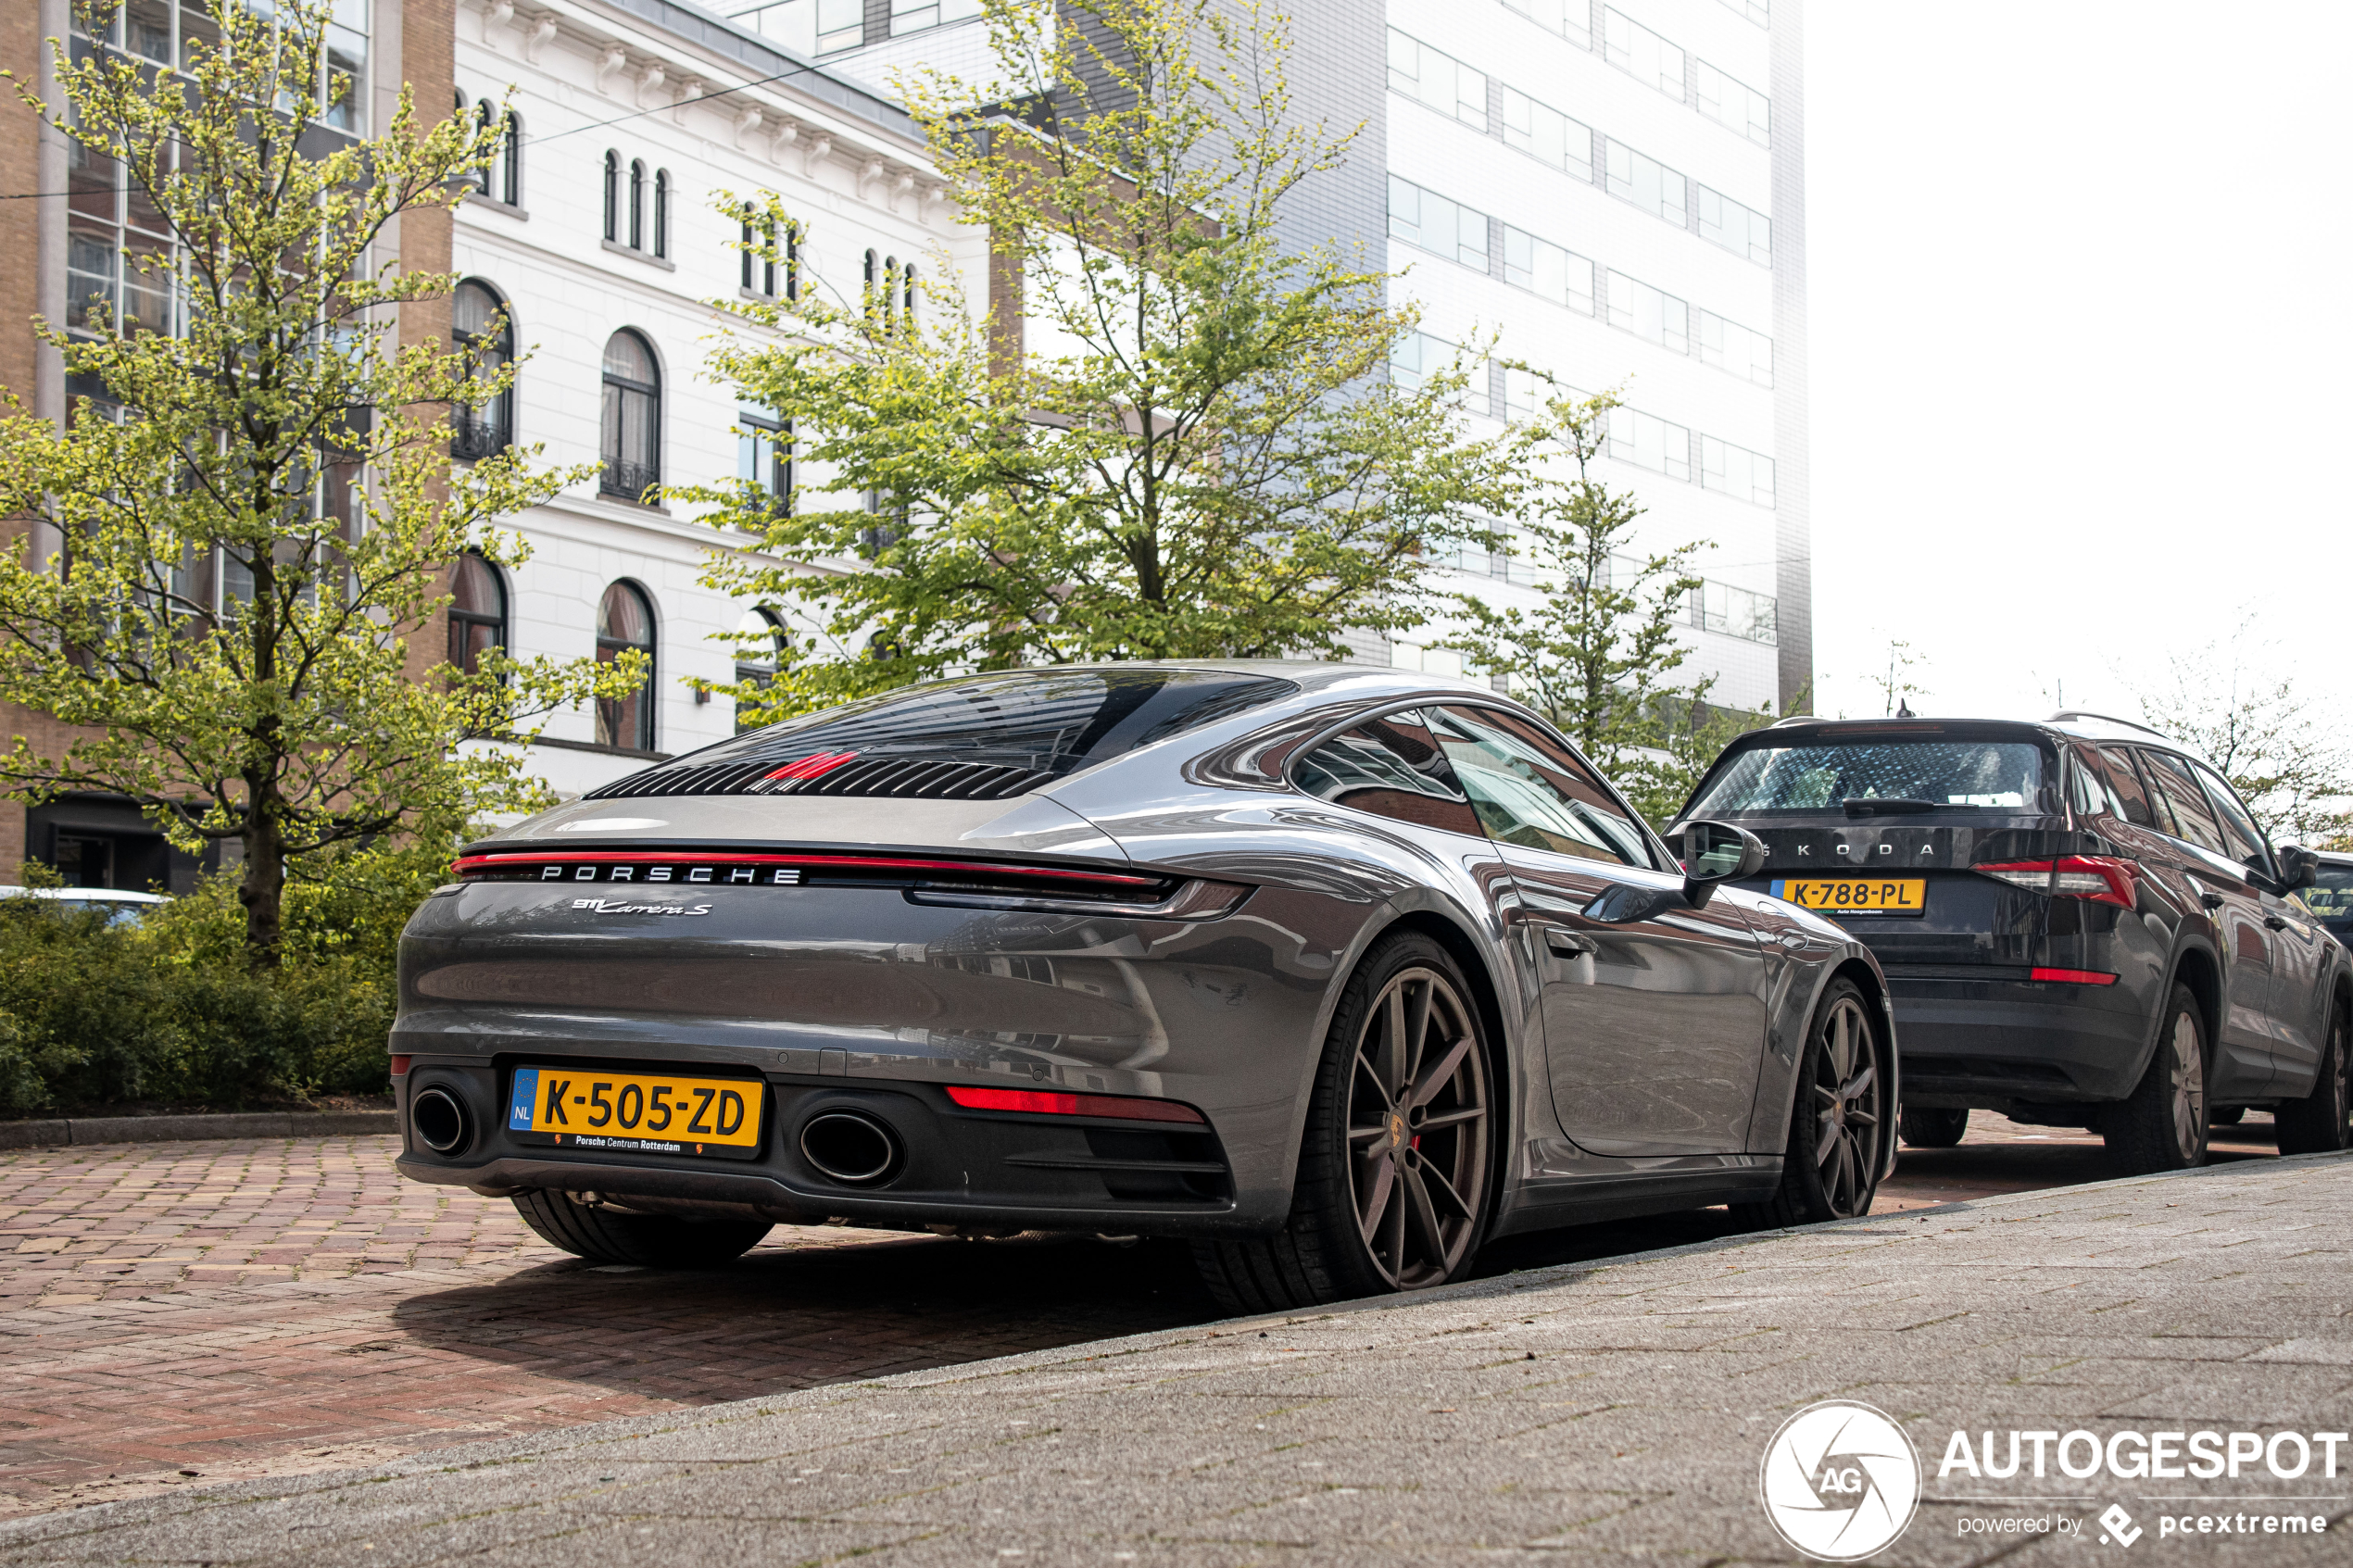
[
  {"x": 1608, "y": 1416},
  {"x": 172, "y": 1314}
]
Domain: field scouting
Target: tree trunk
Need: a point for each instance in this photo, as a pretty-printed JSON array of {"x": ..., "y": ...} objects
[{"x": 263, "y": 890}]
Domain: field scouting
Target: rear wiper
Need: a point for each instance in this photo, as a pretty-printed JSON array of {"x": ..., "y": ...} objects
[{"x": 1888, "y": 806}]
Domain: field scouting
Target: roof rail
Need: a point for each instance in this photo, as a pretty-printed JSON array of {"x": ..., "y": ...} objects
[
  {"x": 2069, "y": 714},
  {"x": 1796, "y": 719}
]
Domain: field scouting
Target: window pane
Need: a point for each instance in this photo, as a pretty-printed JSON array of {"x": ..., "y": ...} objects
[
  {"x": 1647, "y": 312},
  {"x": 1654, "y": 443},
  {"x": 1731, "y": 346},
  {"x": 1734, "y": 104},
  {"x": 2246, "y": 840},
  {"x": 1738, "y": 229},
  {"x": 2120, "y": 785},
  {"x": 1984, "y": 776},
  {"x": 1528, "y": 791},
  {"x": 1736, "y": 470},
  {"x": 2193, "y": 817},
  {"x": 1642, "y": 54},
  {"x": 1050, "y": 720},
  {"x": 1389, "y": 767},
  {"x": 1646, "y": 182},
  {"x": 621, "y": 617},
  {"x": 1547, "y": 135},
  {"x": 1571, "y": 18}
]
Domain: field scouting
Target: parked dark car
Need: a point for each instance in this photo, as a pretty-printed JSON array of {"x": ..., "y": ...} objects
[
  {"x": 1340, "y": 971},
  {"x": 2080, "y": 922},
  {"x": 2331, "y": 896}
]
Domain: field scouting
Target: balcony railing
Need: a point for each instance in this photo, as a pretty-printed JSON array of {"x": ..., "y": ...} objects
[
  {"x": 627, "y": 479},
  {"x": 474, "y": 435}
]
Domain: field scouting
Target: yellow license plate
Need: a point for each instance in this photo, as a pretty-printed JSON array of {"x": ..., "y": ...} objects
[
  {"x": 1855, "y": 896},
  {"x": 636, "y": 1112}
]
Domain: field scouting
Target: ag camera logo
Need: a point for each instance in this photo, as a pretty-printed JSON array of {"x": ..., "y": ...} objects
[{"x": 1840, "y": 1480}]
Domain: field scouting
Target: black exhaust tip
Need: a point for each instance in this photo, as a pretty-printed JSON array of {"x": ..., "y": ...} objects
[
  {"x": 850, "y": 1147},
  {"x": 439, "y": 1121}
]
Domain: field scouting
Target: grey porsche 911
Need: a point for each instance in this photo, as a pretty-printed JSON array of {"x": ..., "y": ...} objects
[{"x": 1339, "y": 971}]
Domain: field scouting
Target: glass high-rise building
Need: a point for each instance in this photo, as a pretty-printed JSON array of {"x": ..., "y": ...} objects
[{"x": 1616, "y": 190}]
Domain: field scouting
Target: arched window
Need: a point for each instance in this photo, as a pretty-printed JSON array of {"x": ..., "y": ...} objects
[
  {"x": 477, "y": 612},
  {"x": 637, "y": 204},
  {"x": 486, "y": 338},
  {"x": 625, "y": 620},
  {"x": 510, "y": 162},
  {"x": 872, "y": 265},
  {"x": 632, "y": 417},
  {"x": 792, "y": 260},
  {"x": 612, "y": 197},
  {"x": 661, "y": 212},
  {"x": 486, "y": 118},
  {"x": 760, "y": 653},
  {"x": 752, "y": 263},
  {"x": 907, "y": 298},
  {"x": 889, "y": 302}
]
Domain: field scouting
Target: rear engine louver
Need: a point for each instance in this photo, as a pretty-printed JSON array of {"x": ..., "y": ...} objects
[{"x": 903, "y": 778}]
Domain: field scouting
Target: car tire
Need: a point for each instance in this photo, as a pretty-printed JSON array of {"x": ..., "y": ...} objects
[
  {"x": 1407, "y": 1063},
  {"x": 2161, "y": 1126},
  {"x": 1838, "y": 1122},
  {"x": 1927, "y": 1127},
  {"x": 2318, "y": 1122},
  {"x": 651, "y": 1241}
]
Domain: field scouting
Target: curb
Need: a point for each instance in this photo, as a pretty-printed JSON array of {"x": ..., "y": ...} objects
[{"x": 184, "y": 1129}]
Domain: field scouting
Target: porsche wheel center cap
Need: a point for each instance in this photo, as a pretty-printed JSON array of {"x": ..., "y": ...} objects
[{"x": 1396, "y": 1129}]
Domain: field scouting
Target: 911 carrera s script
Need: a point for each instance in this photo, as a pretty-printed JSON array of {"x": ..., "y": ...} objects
[{"x": 622, "y": 907}]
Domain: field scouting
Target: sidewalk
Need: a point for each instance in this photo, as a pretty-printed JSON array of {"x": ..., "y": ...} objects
[{"x": 1586, "y": 1413}]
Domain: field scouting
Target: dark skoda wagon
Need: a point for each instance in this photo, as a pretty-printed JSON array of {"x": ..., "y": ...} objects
[{"x": 2081, "y": 924}]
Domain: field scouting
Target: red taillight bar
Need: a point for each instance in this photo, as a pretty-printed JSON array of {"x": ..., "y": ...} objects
[
  {"x": 815, "y": 765},
  {"x": 1046, "y": 1102},
  {"x": 2074, "y": 976},
  {"x": 806, "y": 862},
  {"x": 2097, "y": 879},
  {"x": 400, "y": 1066}
]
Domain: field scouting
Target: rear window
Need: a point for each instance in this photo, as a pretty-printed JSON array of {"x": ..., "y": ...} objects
[
  {"x": 1049, "y": 721},
  {"x": 1822, "y": 775}
]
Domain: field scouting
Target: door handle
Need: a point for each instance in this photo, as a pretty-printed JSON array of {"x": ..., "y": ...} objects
[
  {"x": 1568, "y": 944},
  {"x": 2211, "y": 901},
  {"x": 2275, "y": 922}
]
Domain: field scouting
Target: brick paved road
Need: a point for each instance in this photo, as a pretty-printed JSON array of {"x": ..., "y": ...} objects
[{"x": 267, "y": 1307}]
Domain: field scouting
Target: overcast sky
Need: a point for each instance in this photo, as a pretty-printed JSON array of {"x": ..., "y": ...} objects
[{"x": 2077, "y": 281}]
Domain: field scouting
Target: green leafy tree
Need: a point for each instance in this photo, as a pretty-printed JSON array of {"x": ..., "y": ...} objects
[
  {"x": 1165, "y": 435},
  {"x": 258, "y": 515},
  {"x": 1598, "y": 655},
  {"x": 2281, "y": 749},
  {"x": 1692, "y": 734}
]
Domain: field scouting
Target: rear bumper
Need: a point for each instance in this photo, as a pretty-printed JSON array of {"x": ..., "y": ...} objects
[
  {"x": 1994, "y": 1042},
  {"x": 958, "y": 1167}
]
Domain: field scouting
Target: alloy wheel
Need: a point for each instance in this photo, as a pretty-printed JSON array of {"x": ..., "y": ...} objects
[
  {"x": 1849, "y": 1090},
  {"x": 1418, "y": 1115},
  {"x": 2188, "y": 1083}
]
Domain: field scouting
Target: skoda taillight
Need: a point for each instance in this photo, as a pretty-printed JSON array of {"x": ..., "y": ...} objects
[{"x": 2099, "y": 878}]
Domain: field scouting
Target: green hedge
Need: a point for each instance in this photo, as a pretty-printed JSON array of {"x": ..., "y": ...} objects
[{"x": 169, "y": 1010}]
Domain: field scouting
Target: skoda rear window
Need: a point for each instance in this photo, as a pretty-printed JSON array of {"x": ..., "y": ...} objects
[
  {"x": 1824, "y": 774},
  {"x": 1053, "y": 721}
]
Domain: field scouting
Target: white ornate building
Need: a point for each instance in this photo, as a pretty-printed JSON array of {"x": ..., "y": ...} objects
[{"x": 600, "y": 237}]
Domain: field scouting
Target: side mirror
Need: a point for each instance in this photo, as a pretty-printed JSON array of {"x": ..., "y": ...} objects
[
  {"x": 2298, "y": 868},
  {"x": 1714, "y": 852}
]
